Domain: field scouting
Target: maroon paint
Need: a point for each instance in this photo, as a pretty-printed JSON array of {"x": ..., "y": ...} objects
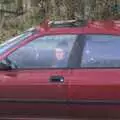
[{"x": 79, "y": 84}]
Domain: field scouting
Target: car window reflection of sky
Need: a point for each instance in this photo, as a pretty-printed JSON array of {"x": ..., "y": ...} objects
[{"x": 13, "y": 41}]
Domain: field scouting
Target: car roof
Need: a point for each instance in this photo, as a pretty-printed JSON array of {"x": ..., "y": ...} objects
[{"x": 91, "y": 27}]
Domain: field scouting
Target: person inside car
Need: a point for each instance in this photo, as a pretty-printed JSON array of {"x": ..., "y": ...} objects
[{"x": 61, "y": 55}]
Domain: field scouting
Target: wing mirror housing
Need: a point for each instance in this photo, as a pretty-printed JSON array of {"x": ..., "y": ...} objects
[{"x": 4, "y": 66}]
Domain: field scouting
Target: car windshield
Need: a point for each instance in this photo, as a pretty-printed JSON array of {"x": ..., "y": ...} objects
[{"x": 14, "y": 41}]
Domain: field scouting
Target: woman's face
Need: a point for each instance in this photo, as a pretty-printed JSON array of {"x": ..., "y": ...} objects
[{"x": 60, "y": 54}]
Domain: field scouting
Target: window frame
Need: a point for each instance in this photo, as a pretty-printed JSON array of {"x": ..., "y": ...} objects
[
  {"x": 4, "y": 56},
  {"x": 96, "y": 67},
  {"x": 16, "y": 40},
  {"x": 36, "y": 37}
]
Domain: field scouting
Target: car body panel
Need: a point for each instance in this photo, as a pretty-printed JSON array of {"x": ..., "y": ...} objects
[
  {"x": 32, "y": 92},
  {"x": 95, "y": 92},
  {"x": 84, "y": 92}
]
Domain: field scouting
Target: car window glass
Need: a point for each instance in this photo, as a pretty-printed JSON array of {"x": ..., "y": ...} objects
[
  {"x": 14, "y": 41},
  {"x": 44, "y": 52},
  {"x": 101, "y": 51}
]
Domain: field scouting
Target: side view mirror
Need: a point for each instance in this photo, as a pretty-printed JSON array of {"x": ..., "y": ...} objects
[{"x": 4, "y": 66}]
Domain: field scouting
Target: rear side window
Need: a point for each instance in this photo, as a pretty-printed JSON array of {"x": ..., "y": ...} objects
[{"x": 101, "y": 51}]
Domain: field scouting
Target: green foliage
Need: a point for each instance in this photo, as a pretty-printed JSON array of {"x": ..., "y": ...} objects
[
  {"x": 16, "y": 25},
  {"x": 37, "y": 10},
  {"x": 6, "y": 1}
]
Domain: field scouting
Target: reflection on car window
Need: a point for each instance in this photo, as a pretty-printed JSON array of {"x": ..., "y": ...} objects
[
  {"x": 101, "y": 51},
  {"x": 14, "y": 41},
  {"x": 45, "y": 52}
]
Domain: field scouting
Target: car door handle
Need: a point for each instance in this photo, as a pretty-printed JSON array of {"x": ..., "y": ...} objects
[{"x": 56, "y": 79}]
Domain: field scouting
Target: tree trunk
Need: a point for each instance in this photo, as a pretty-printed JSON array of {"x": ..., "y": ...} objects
[
  {"x": 35, "y": 2},
  {"x": 19, "y": 3}
]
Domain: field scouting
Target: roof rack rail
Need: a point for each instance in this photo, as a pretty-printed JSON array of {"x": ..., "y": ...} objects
[
  {"x": 67, "y": 23},
  {"x": 47, "y": 24}
]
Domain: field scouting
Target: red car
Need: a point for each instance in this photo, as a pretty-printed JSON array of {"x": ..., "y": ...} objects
[{"x": 70, "y": 70}]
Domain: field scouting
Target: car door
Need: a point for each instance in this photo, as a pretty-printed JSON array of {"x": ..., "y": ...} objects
[
  {"x": 94, "y": 86},
  {"x": 38, "y": 87}
]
